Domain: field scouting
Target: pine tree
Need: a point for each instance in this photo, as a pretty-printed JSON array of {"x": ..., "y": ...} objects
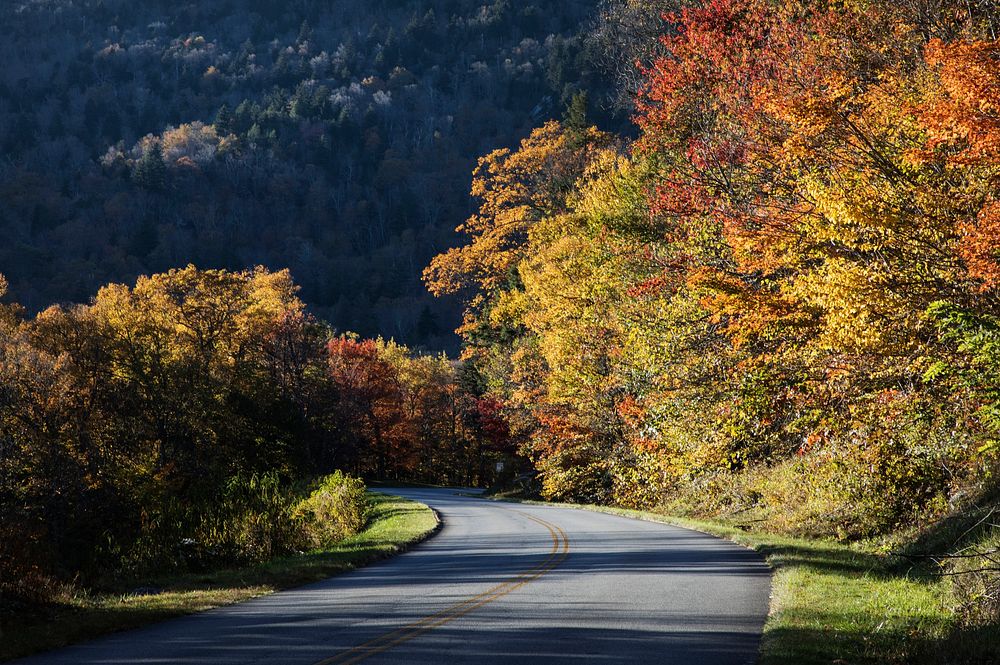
[
  {"x": 150, "y": 171},
  {"x": 305, "y": 32},
  {"x": 224, "y": 121},
  {"x": 255, "y": 135},
  {"x": 243, "y": 117},
  {"x": 575, "y": 117},
  {"x": 427, "y": 325}
]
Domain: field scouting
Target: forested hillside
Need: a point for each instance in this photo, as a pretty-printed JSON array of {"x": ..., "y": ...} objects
[{"x": 331, "y": 138}]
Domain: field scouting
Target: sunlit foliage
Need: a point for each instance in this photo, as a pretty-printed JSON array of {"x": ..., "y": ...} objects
[
  {"x": 782, "y": 296},
  {"x": 176, "y": 424}
]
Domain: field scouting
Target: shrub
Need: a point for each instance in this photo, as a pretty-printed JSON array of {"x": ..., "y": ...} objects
[
  {"x": 336, "y": 509},
  {"x": 641, "y": 479},
  {"x": 252, "y": 519},
  {"x": 577, "y": 475},
  {"x": 23, "y": 579}
]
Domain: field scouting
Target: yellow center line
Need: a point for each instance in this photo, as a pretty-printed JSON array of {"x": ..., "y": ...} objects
[{"x": 559, "y": 551}]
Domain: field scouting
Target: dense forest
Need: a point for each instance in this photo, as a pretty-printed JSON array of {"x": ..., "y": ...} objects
[
  {"x": 781, "y": 300},
  {"x": 186, "y": 409},
  {"x": 783, "y": 292},
  {"x": 331, "y": 138}
]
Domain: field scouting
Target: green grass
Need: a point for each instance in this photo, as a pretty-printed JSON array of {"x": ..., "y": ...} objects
[
  {"x": 395, "y": 523},
  {"x": 836, "y": 603}
]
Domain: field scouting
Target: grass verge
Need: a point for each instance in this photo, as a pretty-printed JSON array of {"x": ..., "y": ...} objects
[
  {"x": 847, "y": 604},
  {"x": 394, "y": 525}
]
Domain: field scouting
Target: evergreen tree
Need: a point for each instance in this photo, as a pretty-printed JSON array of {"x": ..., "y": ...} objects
[
  {"x": 575, "y": 117},
  {"x": 427, "y": 325},
  {"x": 243, "y": 118},
  {"x": 255, "y": 135},
  {"x": 305, "y": 32},
  {"x": 150, "y": 171},
  {"x": 224, "y": 121}
]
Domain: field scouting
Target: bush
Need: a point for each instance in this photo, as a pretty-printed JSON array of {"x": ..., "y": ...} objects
[
  {"x": 336, "y": 509},
  {"x": 894, "y": 462},
  {"x": 578, "y": 475},
  {"x": 252, "y": 519},
  {"x": 640, "y": 479},
  {"x": 23, "y": 579}
]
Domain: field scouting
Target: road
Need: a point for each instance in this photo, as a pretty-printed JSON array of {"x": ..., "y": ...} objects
[{"x": 500, "y": 583}]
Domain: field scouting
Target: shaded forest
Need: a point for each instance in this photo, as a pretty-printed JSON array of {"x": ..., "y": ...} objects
[{"x": 331, "y": 138}]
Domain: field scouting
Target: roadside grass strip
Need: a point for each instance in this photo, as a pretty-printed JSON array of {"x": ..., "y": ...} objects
[
  {"x": 845, "y": 604},
  {"x": 394, "y": 525}
]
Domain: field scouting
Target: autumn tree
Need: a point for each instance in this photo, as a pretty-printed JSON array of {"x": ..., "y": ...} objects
[
  {"x": 516, "y": 189},
  {"x": 370, "y": 406}
]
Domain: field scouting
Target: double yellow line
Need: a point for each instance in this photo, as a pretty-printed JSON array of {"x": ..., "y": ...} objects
[{"x": 559, "y": 551}]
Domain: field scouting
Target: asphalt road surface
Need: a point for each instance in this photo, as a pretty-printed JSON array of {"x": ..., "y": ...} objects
[{"x": 501, "y": 583}]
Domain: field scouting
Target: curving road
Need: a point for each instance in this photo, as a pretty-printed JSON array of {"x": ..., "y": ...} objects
[{"x": 501, "y": 583}]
